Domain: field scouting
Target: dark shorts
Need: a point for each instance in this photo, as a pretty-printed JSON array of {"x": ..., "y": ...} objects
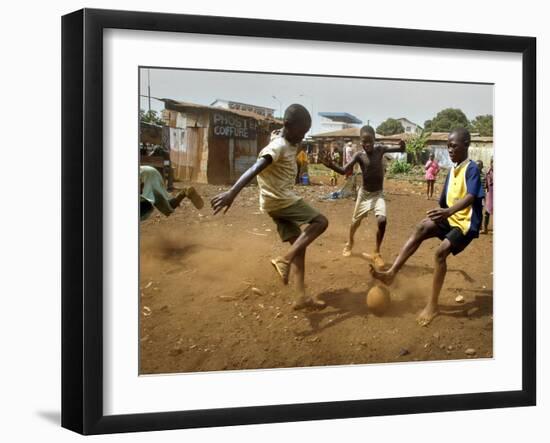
[
  {"x": 289, "y": 219},
  {"x": 458, "y": 240}
]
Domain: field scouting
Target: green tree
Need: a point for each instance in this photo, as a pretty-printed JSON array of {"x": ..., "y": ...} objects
[
  {"x": 390, "y": 126},
  {"x": 416, "y": 145},
  {"x": 150, "y": 117},
  {"x": 483, "y": 124},
  {"x": 447, "y": 120}
]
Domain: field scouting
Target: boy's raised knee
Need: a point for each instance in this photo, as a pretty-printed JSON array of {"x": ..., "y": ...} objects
[
  {"x": 421, "y": 229},
  {"x": 322, "y": 221}
]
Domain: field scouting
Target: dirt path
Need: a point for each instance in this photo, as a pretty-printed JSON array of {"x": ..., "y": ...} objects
[{"x": 198, "y": 311}]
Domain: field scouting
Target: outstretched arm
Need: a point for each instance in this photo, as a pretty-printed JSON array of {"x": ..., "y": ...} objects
[
  {"x": 225, "y": 199},
  {"x": 400, "y": 148},
  {"x": 340, "y": 170}
]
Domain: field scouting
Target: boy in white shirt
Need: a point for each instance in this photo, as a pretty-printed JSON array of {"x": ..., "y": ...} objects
[{"x": 276, "y": 171}]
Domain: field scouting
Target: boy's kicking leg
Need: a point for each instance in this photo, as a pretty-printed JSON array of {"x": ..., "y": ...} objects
[
  {"x": 440, "y": 270},
  {"x": 191, "y": 194},
  {"x": 316, "y": 227},
  {"x": 426, "y": 229}
]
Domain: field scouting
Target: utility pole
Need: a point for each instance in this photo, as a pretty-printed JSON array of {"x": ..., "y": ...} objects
[
  {"x": 280, "y": 106},
  {"x": 149, "y": 87}
]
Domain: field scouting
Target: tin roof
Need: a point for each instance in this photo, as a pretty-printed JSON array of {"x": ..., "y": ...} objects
[
  {"x": 240, "y": 103},
  {"x": 347, "y": 132},
  {"x": 434, "y": 137},
  {"x": 341, "y": 117},
  {"x": 184, "y": 106}
]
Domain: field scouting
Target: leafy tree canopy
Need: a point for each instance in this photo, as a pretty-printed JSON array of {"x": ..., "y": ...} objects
[
  {"x": 483, "y": 124},
  {"x": 150, "y": 117},
  {"x": 447, "y": 120},
  {"x": 389, "y": 127}
]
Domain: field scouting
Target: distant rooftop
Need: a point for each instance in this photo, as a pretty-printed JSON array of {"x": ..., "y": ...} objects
[
  {"x": 239, "y": 103},
  {"x": 185, "y": 106},
  {"x": 405, "y": 118},
  {"x": 342, "y": 133},
  {"x": 341, "y": 117}
]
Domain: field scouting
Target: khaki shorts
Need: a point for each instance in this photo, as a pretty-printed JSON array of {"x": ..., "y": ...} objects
[
  {"x": 369, "y": 201},
  {"x": 289, "y": 219}
]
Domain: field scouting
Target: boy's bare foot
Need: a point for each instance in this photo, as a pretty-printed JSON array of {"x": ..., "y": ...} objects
[
  {"x": 385, "y": 277},
  {"x": 427, "y": 315},
  {"x": 282, "y": 267},
  {"x": 367, "y": 256},
  {"x": 378, "y": 261},
  {"x": 347, "y": 250},
  {"x": 305, "y": 302},
  {"x": 195, "y": 198}
]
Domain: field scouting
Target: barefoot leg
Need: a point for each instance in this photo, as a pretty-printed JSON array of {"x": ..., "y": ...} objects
[
  {"x": 431, "y": 310},
  {"x": 298, "y": 267},
  {"x": 349, "y": 245},
  {"x": 381, "y": 222},
  {"x": 303, "y": 301},
  {"x": 425, "y": 229}
]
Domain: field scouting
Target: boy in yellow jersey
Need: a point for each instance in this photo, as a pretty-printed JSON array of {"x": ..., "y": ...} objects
[{"x": 456, "y": 222}]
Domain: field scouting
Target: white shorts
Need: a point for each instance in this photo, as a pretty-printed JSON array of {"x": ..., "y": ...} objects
[{"x": 369, "y": 201}]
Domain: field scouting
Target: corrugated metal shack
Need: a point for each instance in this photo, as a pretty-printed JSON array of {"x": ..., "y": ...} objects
[
  {"x": 323, "y": 141},
  {"x": 211, "y": 144},
  {"x": 481, "y": 148}
]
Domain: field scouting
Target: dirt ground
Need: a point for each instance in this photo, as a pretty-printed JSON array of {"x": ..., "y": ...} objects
[{"x": 210, "y": 299}]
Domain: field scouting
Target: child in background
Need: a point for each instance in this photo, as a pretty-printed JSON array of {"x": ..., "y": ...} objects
[
  {"x": 335, "y": 158},
  {"x": 432, "y": 168}
]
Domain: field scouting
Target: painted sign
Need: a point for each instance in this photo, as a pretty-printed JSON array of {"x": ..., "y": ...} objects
[{"x": 233, "y": 126}]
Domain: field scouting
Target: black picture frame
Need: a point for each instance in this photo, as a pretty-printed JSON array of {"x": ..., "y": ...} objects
[{"x": 82, "y": 218}]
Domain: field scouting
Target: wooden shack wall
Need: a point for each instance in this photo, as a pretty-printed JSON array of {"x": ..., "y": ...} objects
[
  {"x": 200, "y": 156},
  {"x": 188, "y": 144}
]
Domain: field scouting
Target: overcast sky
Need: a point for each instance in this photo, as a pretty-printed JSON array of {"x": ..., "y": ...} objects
[{"x": 370, "y": 100}]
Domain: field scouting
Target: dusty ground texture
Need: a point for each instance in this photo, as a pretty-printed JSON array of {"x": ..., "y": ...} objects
[{"x": 210, "y": 300}]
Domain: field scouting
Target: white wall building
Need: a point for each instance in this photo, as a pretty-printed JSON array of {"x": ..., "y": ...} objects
[{"x": 410, "y": 127}]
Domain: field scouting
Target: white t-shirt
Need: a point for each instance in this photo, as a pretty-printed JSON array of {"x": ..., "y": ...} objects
[{"x": 277, "y": 180}]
